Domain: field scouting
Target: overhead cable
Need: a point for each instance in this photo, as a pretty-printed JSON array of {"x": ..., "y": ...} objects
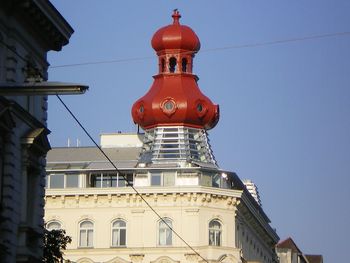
[
  {"x": 127, "y": 181},
  {"x": 250, "y": 45}
]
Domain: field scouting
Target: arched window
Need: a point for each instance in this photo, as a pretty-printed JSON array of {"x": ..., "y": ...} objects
[
  {"x": 172, "y": 64},
  {"x": 214, "y": 233},
  {"x": 184, "y": 65},
  {"x": 165, "y": 237},
  {"x": 53, "y": 225},
  {"x": 119, "y": 233},
  {"x": 86, "y": 234}
]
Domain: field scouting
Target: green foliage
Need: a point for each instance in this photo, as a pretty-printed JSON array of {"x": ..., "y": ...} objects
[{"x": 55, "y": 241}]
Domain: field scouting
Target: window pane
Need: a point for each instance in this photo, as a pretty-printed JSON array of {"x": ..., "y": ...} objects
[
  {"x": 113, "y": 180},
  {"x": 56, "y": 180},
  {"x": 105, "y": 180},
  {"x": 168, "y": 237},
  {"x": 211, "y": 238},
  {"x": 72, "y": 180},
  {"x": 164, "y": 233},
  {"x": 83, "y": 238},
  {"x": 162, "y": 241},
  {"x": 115, "y": 237},
  {"x": 96, "y": 180},
  {"x": 122, "y": 237},
  {"x": 90, "y": 237},
  {"x": 121, "y": 181},
  {"x": 214, "y": 233},
  {"x": 53, "y": 225},
  {"x": 119, "y": 223},
  {"x": 86, "y": 224},
  {"x": 130, "y": 178},
  {"x": 155, "y": 179}
]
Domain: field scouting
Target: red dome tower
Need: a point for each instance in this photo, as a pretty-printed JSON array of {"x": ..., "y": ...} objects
[{"x": 174, "y": 107}]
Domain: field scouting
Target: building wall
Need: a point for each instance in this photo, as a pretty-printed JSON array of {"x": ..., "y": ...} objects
[
  {"x": 190, "y": 214},
  {"x": 190, "y": 208},
  {"x": 24, "y": 43}
]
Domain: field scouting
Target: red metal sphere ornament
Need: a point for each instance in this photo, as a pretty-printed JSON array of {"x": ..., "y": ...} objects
[{"x": 174, "y": 97}]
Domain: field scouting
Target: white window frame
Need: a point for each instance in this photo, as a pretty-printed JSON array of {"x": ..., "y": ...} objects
[
  {"x": 86, "y": 230},
  {"x": 48, "y": 178},
  {"x": 216, "y": 232},
  {"x": 53, "y": 222},
  {"x": 118, "y": 230},
  {"x": 163, "y": 229},
  {"x": 108, "y": 174}
]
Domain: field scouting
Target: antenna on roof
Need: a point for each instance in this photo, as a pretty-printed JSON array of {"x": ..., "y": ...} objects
[
  {"x": 68, "y": 142},
  {"x": 78, "y": 142}
]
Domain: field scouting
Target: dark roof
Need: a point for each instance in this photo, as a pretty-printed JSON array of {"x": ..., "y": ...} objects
[
  {"x": 289, "y": 243},
  {"x": 314, "y": 258}
]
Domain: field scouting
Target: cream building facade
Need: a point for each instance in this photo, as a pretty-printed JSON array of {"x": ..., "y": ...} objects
[{"x": 209, "y": 208}]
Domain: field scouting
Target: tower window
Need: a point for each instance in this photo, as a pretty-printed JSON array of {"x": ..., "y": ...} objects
[
  {"x": 214, "y": 233},
  {"x": 172, "y": 64},
  {"x": 162, "y": 65},
  {"x": 184, "y": 65}
]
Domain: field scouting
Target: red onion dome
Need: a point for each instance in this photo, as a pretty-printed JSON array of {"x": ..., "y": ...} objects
[
  {"x": 174, "y": 97},
  {"x": 175, "y": 100},
  {"x": 175, "y": 36}
]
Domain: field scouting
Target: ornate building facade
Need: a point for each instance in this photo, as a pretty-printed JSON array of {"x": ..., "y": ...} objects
[
  {"x": 28, "y": 30},
  {"x": 168, "y": 200}
]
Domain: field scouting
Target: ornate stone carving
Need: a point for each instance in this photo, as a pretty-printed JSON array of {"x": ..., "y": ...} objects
[{"x": 136, "y": 257}]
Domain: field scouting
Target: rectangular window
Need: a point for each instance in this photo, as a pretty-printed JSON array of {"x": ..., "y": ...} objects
[
  {"x": 113, "y": 180},
  {"x": 216, "y": 180},
  {"x": 121, "y": 181},
  {"x": 57, "y": 181},
  {"x": 104, "y": 180},
  {"x": 72, "y": 180},
  {"x": 130, "y": 178},
  {"x": 206, "y": 180},
  {"x": 86, "y": 238},
  {"x": 169, "y": 178},
  {"x": 156, "y": 179}
]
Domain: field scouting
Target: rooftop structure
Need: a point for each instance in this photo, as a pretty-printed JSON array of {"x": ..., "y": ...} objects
[
  {"x": 174, "y": 113},
  {"x": 288, "y": 252},
  {"x": 174, "y": 171}
]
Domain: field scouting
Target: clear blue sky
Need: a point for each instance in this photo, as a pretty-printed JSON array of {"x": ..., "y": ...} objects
[{"x": 285, "y": 109}]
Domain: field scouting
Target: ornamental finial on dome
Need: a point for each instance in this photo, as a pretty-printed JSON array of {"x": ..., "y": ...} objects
[{"x": 176, "y": 16}]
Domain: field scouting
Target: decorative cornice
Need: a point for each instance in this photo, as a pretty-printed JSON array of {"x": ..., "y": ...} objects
[{"x": 43, "y": 19}]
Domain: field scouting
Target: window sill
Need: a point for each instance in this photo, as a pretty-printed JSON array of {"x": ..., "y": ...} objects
[{"x": 118, "y": 246}]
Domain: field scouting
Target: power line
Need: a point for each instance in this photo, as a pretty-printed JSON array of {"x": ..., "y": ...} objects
[
  {"x": 111, "y": 162},
  {"x": 250, "y": 45},
  {"x": 127, "y": 181}
]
